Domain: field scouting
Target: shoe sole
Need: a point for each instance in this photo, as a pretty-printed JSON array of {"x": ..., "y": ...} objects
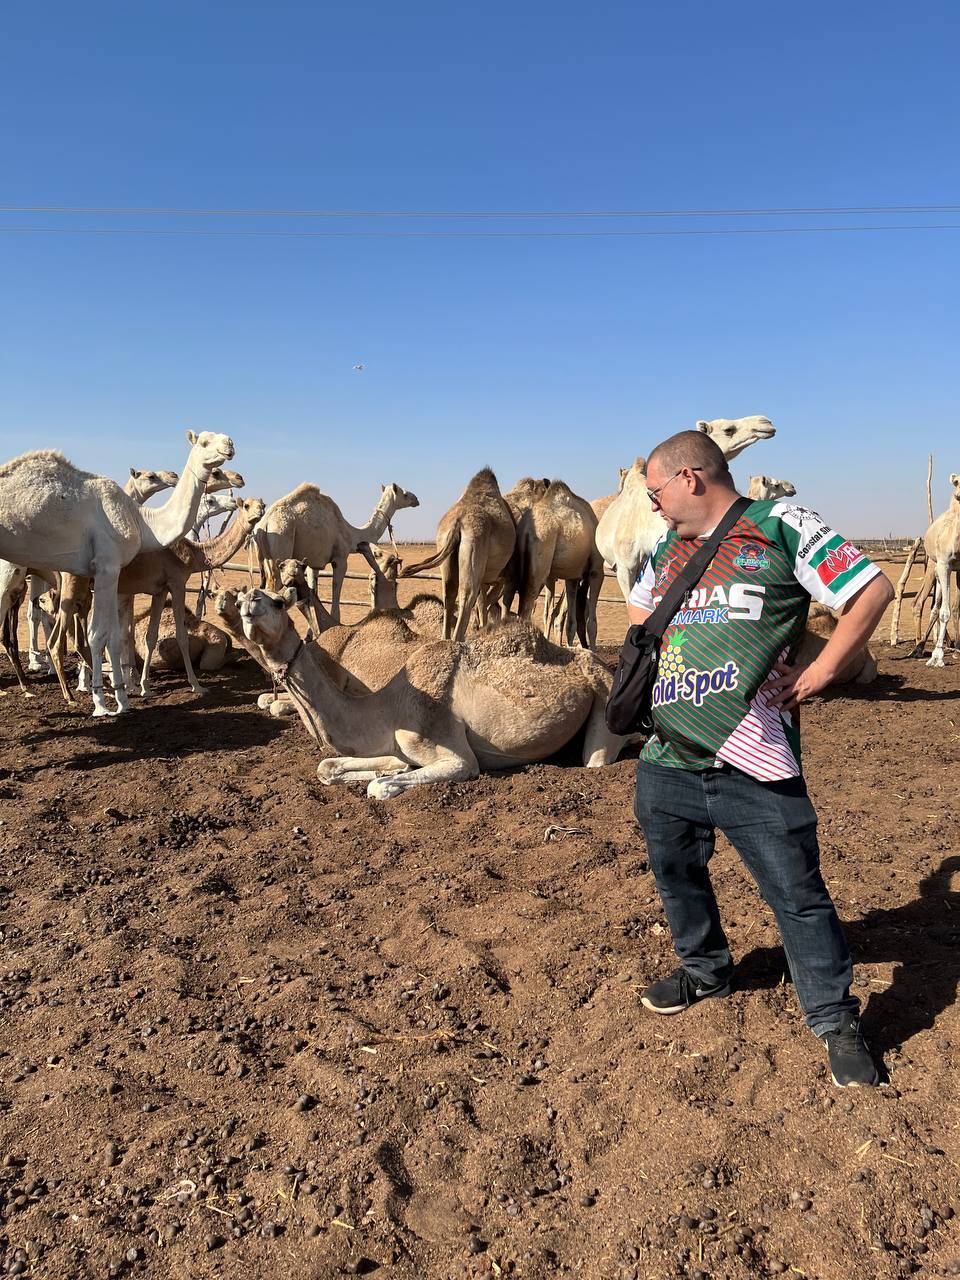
[
  {"x": 670, "y": 1010},
  {"x": 856, "y": 1084}
]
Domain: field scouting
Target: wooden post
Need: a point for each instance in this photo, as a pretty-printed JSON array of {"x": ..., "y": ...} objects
[
  {"x": 898, "y": 597},
  {"x": 929, "y": 490}
]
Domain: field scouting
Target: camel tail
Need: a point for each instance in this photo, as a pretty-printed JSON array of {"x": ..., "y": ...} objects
[{"x": 444, "y": 553}]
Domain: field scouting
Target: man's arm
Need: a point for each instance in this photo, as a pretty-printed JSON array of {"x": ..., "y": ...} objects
[
  {"x": 636, "y": 614},
  {"x": 856, "y": 624}
]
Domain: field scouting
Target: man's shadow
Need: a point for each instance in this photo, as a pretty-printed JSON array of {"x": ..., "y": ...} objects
[{"x": 922, "y": 939}]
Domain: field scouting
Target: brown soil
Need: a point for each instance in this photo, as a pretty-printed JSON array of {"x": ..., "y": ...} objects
[{"x": 252, "y": 1027}]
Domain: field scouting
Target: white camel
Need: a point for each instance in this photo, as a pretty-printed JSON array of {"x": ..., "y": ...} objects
[
  {"x": 308, "y": 525},
  {"x": 54, "y": 516},
  {"x": 942, "y": 545},
  {"x": 763, "y": 488},
  {"x": 503, "y": 698},
  {"x": 629, "y": 529}
]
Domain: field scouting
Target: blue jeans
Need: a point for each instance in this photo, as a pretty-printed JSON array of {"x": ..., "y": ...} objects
[{"x": 773, "y": 826}]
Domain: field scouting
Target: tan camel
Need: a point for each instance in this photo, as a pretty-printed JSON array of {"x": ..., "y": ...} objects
[
  {"x": 600, "y": 504},
  {"x": 519, "y": 499},
  {"x": 557, "y": 541},
  {"x": 506, "y": 697},
  {"x": 942, "y": 545},
  {"x": 53, "y": 516},
  {"x": 166, "y": 572},
  {"x": 383, "y": 579},
  {"x": 763, "y": 488},
  {"x": 143, "y": 484},
  {"x": 629, "y": 529},
  {"x": 475, "y": 540},
  {"x": 308, "y": 525},
  {"x": 209, "y": 646}
]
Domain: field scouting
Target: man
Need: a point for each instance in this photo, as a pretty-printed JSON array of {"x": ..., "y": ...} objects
[{"x": 726, "y": 748}]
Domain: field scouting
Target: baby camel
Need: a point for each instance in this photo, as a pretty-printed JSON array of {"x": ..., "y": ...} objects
[{"x": 504, "y": 698}]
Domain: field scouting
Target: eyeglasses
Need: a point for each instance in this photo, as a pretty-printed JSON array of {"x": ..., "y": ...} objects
[{"x": 654, "y": 494}]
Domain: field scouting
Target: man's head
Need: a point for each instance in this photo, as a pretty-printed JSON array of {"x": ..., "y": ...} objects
[{"x": 689, "y": 482}]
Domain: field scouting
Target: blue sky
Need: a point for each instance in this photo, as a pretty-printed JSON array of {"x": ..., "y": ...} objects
[{"x": 552, "y": 356}]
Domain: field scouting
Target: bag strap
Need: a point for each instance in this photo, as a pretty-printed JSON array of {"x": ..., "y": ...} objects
[{"x": 693, "y": 570}]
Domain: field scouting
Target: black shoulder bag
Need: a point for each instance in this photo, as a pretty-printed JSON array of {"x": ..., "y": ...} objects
[{"x": 630, "y": 705}]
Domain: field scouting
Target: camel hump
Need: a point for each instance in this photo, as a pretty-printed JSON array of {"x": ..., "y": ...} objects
[
  {"x": 483, "y": 482},
  {"x": 559, "y": 489}
]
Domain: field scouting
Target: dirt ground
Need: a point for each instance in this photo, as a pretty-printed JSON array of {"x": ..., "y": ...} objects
[{"x": 252, "y": 1027}]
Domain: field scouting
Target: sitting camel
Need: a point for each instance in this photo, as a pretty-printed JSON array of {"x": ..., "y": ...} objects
[
  {"x": 764, "y": 488},
  {"x": 860, "y": 667},
  {"x": 55, "y": 517},
  {"x": 629, "y": 528},
  {"x": 309, "y": 525},
  {"x": 942, "y": 545},
  {"x": 505, "y": 697},
  {"x": 475, "y": 540},
  {"x": 208, "y": 646}
]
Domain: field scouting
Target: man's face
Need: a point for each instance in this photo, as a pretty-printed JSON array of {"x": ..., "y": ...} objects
[{"x": 672, "y": 492}]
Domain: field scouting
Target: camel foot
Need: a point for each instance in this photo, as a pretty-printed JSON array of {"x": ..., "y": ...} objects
[
  {"x": 101, "y": 709},
  {"x": 38, "y": 662},
  {"x": 384, "y": 788},
  {"x": 936, "y": 659},
  {"x": 147, "y": 692},
  {"x": 199, "y": 690},
  {"x": 27, "y": 694},
  {"x": 280, "y": 708},
  {"x": 266, "y": 701}
]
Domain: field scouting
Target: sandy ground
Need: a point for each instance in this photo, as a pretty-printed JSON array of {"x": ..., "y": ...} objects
[{"x": 252, "y": 1027}]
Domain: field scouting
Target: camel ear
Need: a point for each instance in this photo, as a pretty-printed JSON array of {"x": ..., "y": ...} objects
[
  {"x": 702, "y": 425},
  {"x": 238, "y": 502},
  {"x": 134, "y": 471},
  {"x": 955, "y": 479},
  {"x": 192, "y": 437},
  {"x": 383, "y": 488}
]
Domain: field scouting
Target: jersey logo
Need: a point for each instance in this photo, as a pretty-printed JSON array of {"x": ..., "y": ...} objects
[
  {"x": 837, "y": 561},
  {"x": 752, "y": 557},
  {"x": 663, "y": 573}
]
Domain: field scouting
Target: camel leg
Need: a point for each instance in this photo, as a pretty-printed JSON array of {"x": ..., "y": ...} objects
[
  {"x": 150, "y": 643},
  {"x": 105, "y": 634},
  {"x": 568, "y": 631},
  {"x": 943, "y": 583},
  {"x": 448, "y": 762},
  {"x": 56, "y": 648},
  {"x": 594, "y": 587},
  {"x": 11, "y": 648},
  {"x": 338, "y": 569},
  {"x": 178, "y": 604},
  {"x": 923, "y": 592},
  {"x": 127, "y": 645},
  {"x": 449, "y": 583},
  {"x": 37, "y": 619},
  {"x": 358, "y": 768},
  {"x": 600, "y": 746}
]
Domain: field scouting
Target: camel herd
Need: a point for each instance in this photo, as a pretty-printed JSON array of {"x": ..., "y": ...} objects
[{"x": 405, "y": 696}]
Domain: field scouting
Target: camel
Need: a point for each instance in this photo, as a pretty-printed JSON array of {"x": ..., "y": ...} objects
[
  {"x": 13, "y": 586},
  {"x": 629, "y": 529},
  {"x": 308, "y": 525},
  {"x": 506, "y": 697},
  {"x": 763, "y": 488},
  {"x": 600, "y": 504},
  {"x": 142, "y": 484},
  {"x": 942, "y": 545},
  {"x": 54, "y": 516},
  {"x": 557, "y": 540},
  {"x": 519, "y": 499},
  {"x": 209, "y": 646},
  {"x": 383, "y": 579},
  {"x": 475, "y": 540},
  {"x": 167, "y": 571}
]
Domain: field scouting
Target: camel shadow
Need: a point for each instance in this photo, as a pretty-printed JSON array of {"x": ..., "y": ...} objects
[
  {"x": 920, "y": 938},
  {"x": 886, "y": 689}
]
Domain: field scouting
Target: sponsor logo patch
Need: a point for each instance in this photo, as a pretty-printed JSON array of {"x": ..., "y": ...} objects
[
  {"x": 752, "y": 557},
  {"x": 837, "y": 561},
  {"x": 695, "y": 686}
]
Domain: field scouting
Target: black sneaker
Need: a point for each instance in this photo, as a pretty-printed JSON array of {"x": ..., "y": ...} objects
[
  {"x": 850, "y": 1062},
  {"x": 679, "y": 992}
]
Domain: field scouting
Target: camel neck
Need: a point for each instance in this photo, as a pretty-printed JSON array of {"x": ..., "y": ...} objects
[
  {"x": 374, "y": 530},
  {"x": 178, "y": 514},
  {"x": 217, "y": 551}
]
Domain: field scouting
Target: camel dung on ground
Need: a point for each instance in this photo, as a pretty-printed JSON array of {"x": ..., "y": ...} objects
[
  {"x": 505, "y": 697},
  {"x": 475, "y": 540}
]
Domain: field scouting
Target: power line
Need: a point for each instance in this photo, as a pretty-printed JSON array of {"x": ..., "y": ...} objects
[
  {"x": 135, "y": 211},
  {"x": 470, "y": 235}
]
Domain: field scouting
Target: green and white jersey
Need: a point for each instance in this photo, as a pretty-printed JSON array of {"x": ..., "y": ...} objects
[{"x": 746, "y": 614}]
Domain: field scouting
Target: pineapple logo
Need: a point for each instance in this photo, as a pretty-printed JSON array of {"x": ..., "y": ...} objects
[{"x": 671, "y": 658}]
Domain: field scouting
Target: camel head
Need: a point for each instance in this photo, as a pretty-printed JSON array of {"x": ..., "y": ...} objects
[
  {"x": 733, "y": 435},
  {"x": 389, "y": 562},
  {"x": 209, "y": 450},
  {"x": 955, "y": 481},
  {"x": 147, "y": 483},
  {"x": 762, "y": 488},
  {"x": 398, "y": 497},
  {"x": 225, "y": 606},
  {"x": 219, "y": 479},
  {"x": 293, "y": 580},
  {"x": 250, "y": 510},
  {"x": 263, "y": 615}
]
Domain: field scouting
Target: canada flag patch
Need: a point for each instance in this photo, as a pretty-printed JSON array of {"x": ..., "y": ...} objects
[{"x": 837, "y": 560}]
